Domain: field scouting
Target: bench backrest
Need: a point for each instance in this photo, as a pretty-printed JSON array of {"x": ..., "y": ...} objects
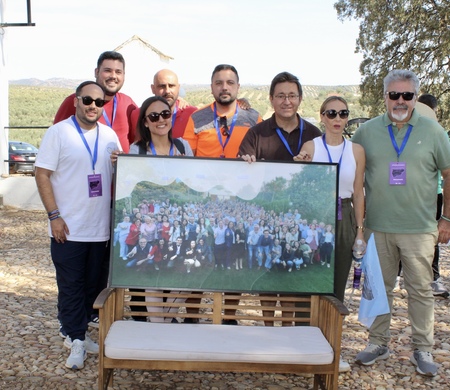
[{"x": 214, "y": 307}]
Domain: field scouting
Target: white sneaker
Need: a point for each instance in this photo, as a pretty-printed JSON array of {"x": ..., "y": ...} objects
[
  {"x": 343, "y": 365},
  {"x": 89, "y": 345},
  {"x": 439, "y": 289},
  {"x": 77, "y": 355}
]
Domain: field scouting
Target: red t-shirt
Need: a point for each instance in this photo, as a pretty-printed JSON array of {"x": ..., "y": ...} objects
[{"x": 181, "y": 120}]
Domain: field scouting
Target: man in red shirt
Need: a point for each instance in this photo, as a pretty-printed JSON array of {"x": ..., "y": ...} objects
[
  {"x": 120, "y": 112},
  {"x": 165, "y": 84}
]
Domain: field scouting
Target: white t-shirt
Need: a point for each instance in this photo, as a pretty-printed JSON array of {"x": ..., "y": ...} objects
[
  {"x": 63, "y": 151},
  {"x": 347, "y": 168}
]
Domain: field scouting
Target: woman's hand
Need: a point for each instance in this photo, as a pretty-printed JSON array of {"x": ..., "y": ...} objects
[{"x": 303, "y": 156}]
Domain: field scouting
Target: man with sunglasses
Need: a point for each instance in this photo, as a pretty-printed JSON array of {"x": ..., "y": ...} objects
[
  {"x": 119, "y": 112},
  {"x": 404, "y": 152},
  {"x": 73, "y": 177},
  {"x": 218, "y": 129}
]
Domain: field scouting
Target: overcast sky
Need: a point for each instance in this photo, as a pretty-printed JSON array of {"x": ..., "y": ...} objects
[{"x": 260, "y": 37}]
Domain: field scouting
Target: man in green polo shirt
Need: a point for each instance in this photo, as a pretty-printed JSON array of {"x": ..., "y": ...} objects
[{"x": 404, "y": 152}]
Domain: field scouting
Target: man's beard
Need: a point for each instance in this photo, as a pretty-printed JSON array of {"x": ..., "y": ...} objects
[
  {"x": 229, "y": 100},
  {"x": 399, "y": 116},
  {"x": 402, "y": 113}
]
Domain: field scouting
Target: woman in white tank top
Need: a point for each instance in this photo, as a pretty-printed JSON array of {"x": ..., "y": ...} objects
[{"x": 333, "y": 147}]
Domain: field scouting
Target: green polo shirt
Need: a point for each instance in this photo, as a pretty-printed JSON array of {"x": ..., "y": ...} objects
[{"x": 409, "y": 208}]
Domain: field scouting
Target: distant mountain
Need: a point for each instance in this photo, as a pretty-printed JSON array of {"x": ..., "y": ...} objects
[
  {"x": 310, "y": 90},
  {"x": 53, "y": 82}
]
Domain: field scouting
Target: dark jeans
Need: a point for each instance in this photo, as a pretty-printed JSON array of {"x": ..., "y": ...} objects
[{"x": 78, "y": 268}]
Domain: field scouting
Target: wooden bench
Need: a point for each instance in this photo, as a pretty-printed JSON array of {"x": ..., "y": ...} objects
[{"x": 210, "y": 346}]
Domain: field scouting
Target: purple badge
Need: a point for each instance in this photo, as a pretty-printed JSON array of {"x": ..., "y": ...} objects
[
  {"x": 95, "y": 185},
  {"x": 397, "y": 173}
]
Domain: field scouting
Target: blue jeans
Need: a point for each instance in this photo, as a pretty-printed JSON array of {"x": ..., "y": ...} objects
[
  {"x": 266, "y": 251},
  {"x": 298, "y": 263},
  {"x": 253, "y": 249}
]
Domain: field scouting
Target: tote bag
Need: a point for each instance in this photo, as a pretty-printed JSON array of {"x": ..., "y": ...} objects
[{"x": 373, "y": 298}]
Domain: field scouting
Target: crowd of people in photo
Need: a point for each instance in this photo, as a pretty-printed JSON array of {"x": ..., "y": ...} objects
[{"x": 223, "y": 234}]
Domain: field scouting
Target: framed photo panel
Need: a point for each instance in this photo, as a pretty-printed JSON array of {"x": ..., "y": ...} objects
[{"x": 182, "y": 223}]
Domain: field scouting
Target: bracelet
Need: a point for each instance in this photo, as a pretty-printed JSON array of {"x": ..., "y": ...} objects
[
  {"x": 362, "y": 227},
  {"x": 55, "y": 217},
  {"x": 53, "y": 212},
  {"x": 445, "y": 218}
]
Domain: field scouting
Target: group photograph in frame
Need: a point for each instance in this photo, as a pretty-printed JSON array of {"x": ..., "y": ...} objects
[{"x": 223, "y": 225}]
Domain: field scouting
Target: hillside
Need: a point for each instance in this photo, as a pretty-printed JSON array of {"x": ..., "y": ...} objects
[{"x": 33, "y": 103}]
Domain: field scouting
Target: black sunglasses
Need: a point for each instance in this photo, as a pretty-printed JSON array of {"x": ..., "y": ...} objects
[
  {"x": 87, "y": 101},
  {"x": 331, "y": 114},
  {"x": 154, "y": 116},
  {"x": 405, "y": 95},
  {"x": 224, "y": 125}
]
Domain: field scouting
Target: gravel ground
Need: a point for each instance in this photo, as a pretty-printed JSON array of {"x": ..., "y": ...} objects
[{"x": 32, "y": 355}]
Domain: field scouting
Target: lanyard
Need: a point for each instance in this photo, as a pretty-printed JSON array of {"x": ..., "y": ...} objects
[
  {"x": 93, "y": 158},
  {"x": 230, "y": 131},
  {"x": 283, "y": 139},
  {"x": 329, "y": 155},
  {"x": 174, "y": 114},
  {"x": 105, "y": 115},
  {"x": 405, "y": 140},
  {"x": 154, "y": 151}
]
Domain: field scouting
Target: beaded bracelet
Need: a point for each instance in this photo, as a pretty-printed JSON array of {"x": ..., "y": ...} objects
[{"x": 445, "y": 218}]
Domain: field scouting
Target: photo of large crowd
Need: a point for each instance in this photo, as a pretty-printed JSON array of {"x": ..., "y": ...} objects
[
  {"x": 220, "y": 234},
  {"x": 161, "y": 236}
]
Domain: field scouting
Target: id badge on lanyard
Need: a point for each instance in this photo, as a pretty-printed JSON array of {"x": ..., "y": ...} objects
[
  {"x": 397, "y": 169},
  {"x": 94, "y": 179}
]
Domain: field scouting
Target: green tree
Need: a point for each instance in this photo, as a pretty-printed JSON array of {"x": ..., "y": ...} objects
[
  {"x": 314, "y": 190},
  {"x": 402, "y": 34}
]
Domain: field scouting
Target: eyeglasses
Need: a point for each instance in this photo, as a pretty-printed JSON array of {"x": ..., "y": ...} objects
[
  {"x": 154, "y": 116},
  {"x": 291, "y": 97},
  {"x": 396, "y": 95},
  {"x": 224, "y": 125},
  {"x": 87, "y": 101},
  {"x": 331, "y": 114}
]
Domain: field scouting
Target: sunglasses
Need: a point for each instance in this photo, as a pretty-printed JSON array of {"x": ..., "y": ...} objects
[
  {"x": 154, "y": 116},
  {"x": 87, "y": 101},
  {"x": 331, "y": 114},
  {"x": 396, "y": 95},
  {"x": 224, "y": 125}
]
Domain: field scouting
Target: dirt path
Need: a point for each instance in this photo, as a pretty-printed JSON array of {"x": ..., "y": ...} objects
[{"x": 32, "y": 354}]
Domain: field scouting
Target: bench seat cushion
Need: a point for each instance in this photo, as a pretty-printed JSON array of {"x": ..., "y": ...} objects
[{"x": 223, "y": 343}]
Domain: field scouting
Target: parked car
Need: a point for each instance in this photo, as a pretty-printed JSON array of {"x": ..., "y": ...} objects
[{"x": 22, "y": 157}]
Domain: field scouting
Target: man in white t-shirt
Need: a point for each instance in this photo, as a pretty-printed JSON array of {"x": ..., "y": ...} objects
[{"x": 73, "y": 176}]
